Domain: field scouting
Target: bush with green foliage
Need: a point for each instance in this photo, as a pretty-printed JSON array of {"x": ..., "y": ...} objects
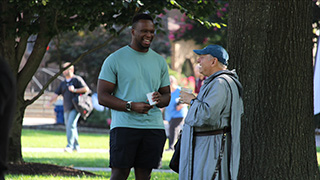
[{"x": 99, "y": 118}]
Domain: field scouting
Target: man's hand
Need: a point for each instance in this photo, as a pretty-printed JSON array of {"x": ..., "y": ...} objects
[
  {"x": 156, "y": 97},
  {"x": 162, "y": 96},
  {"x": 71, "y": 88},
  {"x": 53, "y": 99},
  {"x": 140, "y": 107},
  {"x": 186, "y": 97},
  {"x": 47, "y": 105}
]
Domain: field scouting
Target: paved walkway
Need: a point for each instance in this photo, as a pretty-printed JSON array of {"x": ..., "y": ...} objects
[
  {"x": 38, "y": 121},
  {"x": 109, "y": 169},
  {"x": 27, "y": 149}
]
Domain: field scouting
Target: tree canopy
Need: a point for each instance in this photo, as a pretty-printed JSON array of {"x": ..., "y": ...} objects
[
  {"x": 46, "y": 19},
  {"x": 273, "y": 109},
  {"x": 209, "y": 28}
]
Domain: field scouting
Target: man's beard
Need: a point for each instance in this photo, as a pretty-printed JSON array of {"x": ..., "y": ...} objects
[{"x": 143, "y": 47}]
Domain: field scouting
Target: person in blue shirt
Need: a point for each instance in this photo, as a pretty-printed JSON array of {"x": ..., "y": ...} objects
[
  {"x": 137, "y": 134},
  {"x": 175, "y": 113}
]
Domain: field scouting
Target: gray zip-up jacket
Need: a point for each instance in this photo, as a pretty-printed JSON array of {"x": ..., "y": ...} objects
[{"x": 216, "y": 106}]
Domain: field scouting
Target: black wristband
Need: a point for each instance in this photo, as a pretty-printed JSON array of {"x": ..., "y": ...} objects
[{"x": 192, "y": 100}]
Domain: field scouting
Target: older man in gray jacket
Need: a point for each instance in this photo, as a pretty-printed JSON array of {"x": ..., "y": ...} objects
[{"x": 213, "y": 121}]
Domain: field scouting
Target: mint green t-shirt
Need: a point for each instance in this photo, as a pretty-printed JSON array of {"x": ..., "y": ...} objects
[{"x": 135, "y": 74}]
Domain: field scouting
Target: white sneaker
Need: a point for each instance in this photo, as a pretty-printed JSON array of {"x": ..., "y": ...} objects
[{"x": 67, "y": 149}]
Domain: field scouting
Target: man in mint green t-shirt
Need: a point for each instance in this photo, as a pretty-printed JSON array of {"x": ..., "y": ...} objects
[{"x": 137, "y": 133}]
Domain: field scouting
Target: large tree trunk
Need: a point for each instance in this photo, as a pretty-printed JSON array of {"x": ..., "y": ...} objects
[
  {"x": 23, "y": 79},
  {"x": 14, "y": 151},
  {"x": 270, "y": 45},
  {"x": 12, "y": 50}
]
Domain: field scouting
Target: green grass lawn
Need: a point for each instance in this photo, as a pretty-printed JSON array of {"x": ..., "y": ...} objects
[
  {"x": 79, "y": 159},
  {"x": 56, "y": 139},
  {"x": 100, "y": 176},
  {"x": 66, "y": 159}
]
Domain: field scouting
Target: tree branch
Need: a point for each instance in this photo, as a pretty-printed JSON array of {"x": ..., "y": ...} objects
[
  {"x": 35, "y": 58},
  {"x": 21, "y": 47},
  {"x": 28, "y": 102}
]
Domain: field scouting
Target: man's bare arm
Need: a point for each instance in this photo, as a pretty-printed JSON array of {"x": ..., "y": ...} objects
[
  {"x": 105, "y": 98},
  {"x": 162, "y": 97}
]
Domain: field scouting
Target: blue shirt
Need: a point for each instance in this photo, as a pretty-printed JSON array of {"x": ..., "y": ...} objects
[
  {"x": 171, "y": 111},
  {"x": 63, "y": 90},
  {"x": 135, "y": 74}
]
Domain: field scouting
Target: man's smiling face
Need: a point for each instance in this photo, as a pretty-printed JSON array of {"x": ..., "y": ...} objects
[{"x": 142, "y": 34}]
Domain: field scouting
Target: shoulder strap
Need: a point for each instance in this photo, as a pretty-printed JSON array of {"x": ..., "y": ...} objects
[
  {"x": 235, "y": 120},
  {"x": 223, "y": 140}
]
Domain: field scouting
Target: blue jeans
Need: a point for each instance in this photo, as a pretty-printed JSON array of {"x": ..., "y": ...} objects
[{"x": 71, "y": 119}]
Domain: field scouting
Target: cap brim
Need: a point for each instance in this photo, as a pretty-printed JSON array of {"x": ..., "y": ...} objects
[{"x": 199, "y": 51}]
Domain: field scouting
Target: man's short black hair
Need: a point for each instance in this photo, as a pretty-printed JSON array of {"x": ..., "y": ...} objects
[{"x": 142, "y": 16}]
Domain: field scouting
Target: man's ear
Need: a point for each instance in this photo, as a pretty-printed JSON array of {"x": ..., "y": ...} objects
[{"x": 214, "y": 61}]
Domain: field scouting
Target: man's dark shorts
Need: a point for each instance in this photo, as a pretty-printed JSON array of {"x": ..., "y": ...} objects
[{"x": 140, "y": 148}]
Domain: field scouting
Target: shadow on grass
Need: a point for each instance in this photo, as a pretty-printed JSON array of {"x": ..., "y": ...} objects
[{"x": 71, "y": 161}]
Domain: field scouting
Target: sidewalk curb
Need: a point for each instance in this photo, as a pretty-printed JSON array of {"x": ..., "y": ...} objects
[
  {"x": 92, "y": 169},
  {"x": 31, "y": 149}
]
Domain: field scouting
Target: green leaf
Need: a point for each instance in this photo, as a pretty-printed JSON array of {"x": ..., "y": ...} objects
[
  {"x": 125, "y": 4},
  {"x": 140, "y": 3},
  {"x": 44, "y": 2}
]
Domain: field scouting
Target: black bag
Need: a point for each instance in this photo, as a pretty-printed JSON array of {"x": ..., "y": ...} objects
[
  {"x": 174, "y": 162},
  {"x": 83, "y": 104}
]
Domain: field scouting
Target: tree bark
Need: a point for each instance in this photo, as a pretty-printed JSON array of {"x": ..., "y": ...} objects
[
  {"x": 12, "y": 49},
  {"x": 23, "y": 79},
  {"x": 270, "y": 45},
  {"x": 14, "y": 151}
]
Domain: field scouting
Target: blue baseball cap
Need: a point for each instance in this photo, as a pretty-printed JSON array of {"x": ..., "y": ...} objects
[{"x": 215, "y": 51}]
